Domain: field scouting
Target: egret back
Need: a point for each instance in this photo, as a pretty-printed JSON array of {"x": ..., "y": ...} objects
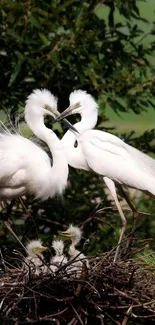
[
  {"x": 23, "y": 163},
  {"x": 109, "y": 156}
]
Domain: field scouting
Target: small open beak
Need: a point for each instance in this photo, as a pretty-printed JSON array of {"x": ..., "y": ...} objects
[
  {"x": 68, "y": 111},
  {"x": 66, "y": 234}
]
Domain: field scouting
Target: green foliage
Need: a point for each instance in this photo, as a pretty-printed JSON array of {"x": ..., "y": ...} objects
[
  {"x": 56, "y": 45},
  {"x": 65, "y": 45}
]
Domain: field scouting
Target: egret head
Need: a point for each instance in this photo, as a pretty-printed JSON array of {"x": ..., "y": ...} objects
[
  {"x": 74, "y": 233},
  {"x": 40, "y": 103},
  {"x": 58, "y": 246},
  {"x": 35, "y": 247},
  {"x": 80, "y": 102}
]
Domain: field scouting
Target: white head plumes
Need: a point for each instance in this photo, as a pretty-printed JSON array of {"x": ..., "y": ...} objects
[{"x": 59, "y": 259}]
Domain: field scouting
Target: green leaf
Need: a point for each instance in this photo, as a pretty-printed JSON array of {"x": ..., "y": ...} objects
[
  {"x": 44, "y": 39},
  {"x": 123, "y": 30},
  {"x": 121, "y": 102},
  {"x": 16, "y": 71},
  {"x": 34, "y": 20},
  {"x": 57, "y": 127}
]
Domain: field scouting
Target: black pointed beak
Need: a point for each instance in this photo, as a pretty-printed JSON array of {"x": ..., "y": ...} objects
[{"x": 68, "y": 124}]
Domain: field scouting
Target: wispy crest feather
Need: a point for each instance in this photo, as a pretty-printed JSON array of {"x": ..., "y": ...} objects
[
  {"x": 33, "y": 244},
  {"x": 42, "y": 98},
  {"x": 80, "y": 96},
  {"x": 58, "y": 246}
]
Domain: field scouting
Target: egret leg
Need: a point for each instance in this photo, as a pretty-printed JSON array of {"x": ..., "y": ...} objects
[
  {"x": 136, "y": 215},
  {"x": 9, "y": 210},
  {"x": 134, "y": 210},
  {"x": 7, "y": 224},
  {"x": 111, "y": 186}
]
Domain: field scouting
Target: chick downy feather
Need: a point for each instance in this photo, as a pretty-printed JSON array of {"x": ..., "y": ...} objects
[
  {"x": 59, "y": 259},
  {"x": 34, "y": 262},
  {"x": 78, "y": 258}
]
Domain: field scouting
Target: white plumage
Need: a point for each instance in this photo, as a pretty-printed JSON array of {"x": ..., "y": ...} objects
[
  {"x": 59, "y": 259},
  {"x": 75, "y": 269},
  {"x": 106, "y": 154},
  {"x": 24, "y": 166},
  {"x": 34, "y": 261}
]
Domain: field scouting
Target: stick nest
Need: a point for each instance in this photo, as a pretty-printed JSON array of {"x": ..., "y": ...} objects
[{"x": 121, "y": 293}]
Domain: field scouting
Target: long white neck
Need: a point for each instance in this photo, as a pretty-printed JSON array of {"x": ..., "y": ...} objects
[
  {"x": 73, "y": 252},
  {"x": 74, "y": 155},
  {"x": 57, "y": 175}
]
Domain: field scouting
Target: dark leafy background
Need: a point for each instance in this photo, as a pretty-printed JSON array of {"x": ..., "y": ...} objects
[{"x": 65, "y": 45}]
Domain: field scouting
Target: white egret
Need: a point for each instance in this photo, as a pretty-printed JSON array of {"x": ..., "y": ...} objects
[
  {"x": 35, "y": 260},
  {"x": 24, "y": 166},
  {"x": 74, "y": 233},
  {"x": 105, "y": 154},
  {"x": 59, "y": 259}
]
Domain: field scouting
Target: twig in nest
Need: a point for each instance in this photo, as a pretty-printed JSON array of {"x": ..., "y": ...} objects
[
  {"x": 76, "y": 313},
  {"x": 126, "y": 317}
]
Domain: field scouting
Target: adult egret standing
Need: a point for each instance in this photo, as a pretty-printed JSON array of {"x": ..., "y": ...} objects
[
  {"x": 24, "y": 166},
  {"x": 105, "y": 154}
]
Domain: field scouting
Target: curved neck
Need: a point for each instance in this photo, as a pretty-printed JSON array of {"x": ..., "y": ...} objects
[
  {"x": 75, "y": 155},
  {"x": 73, "y": 251},
  {"x": 49, "y": 137},
  {"x": 56, "y": 177},
  {"x": 86, "y": 123}
]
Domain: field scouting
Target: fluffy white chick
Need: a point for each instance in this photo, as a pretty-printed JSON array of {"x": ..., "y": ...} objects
[
  {"x": 59, "y": 259},
  {"x": 74, "y": 233},
  {"x": 35, "y": 259}
]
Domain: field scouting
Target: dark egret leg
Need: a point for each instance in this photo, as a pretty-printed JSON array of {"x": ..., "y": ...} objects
[
  {"x": 136, "y": 215},
  {"x": 7, "y": 224},
  {"x": 123, "y": 194},
  {"x": 111, "y": 186},
  {"x": 9, "y": 210}
]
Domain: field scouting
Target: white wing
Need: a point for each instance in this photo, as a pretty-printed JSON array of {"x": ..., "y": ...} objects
[
  {"x": 109, "y": 156},
  {"x": 23, "y": 166},
  {"x": 17, "y": 152}
]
